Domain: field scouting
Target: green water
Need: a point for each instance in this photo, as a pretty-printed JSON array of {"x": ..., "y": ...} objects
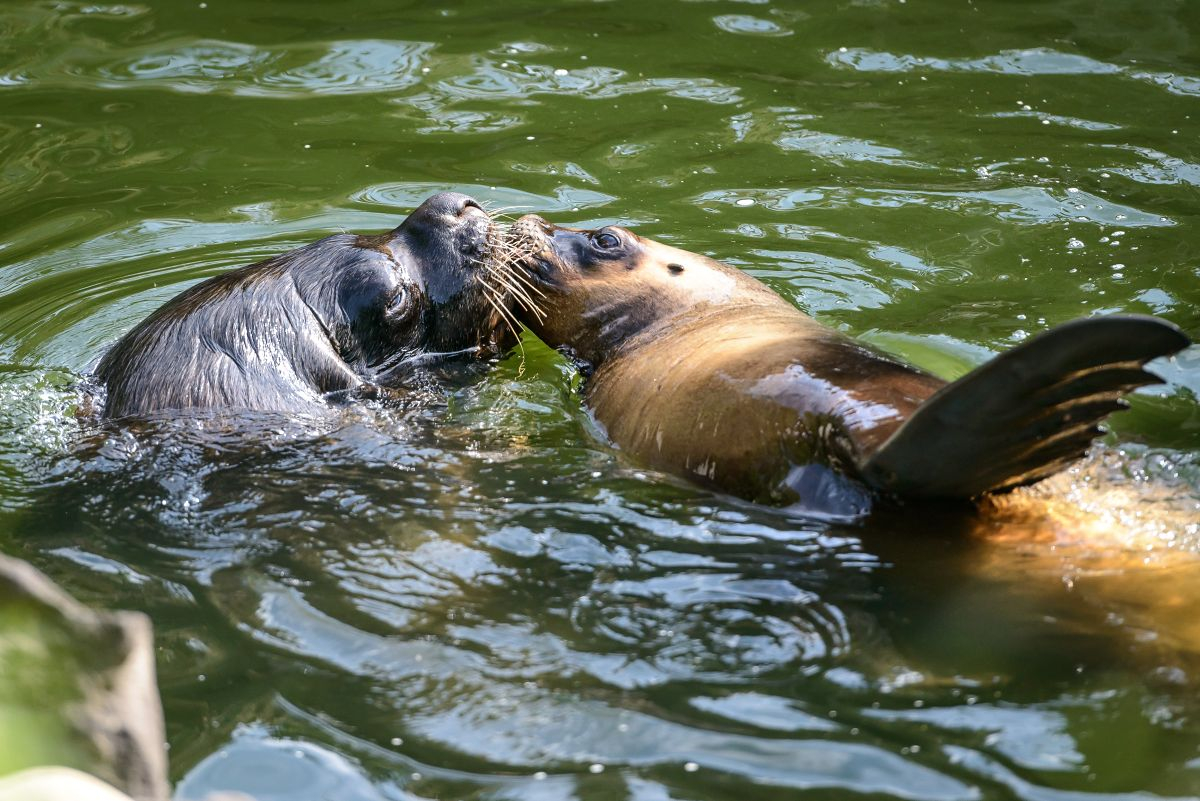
[{"x": 476, "y": 598}]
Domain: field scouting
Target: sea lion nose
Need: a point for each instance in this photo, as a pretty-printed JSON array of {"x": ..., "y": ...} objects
[{"x": 453, "y": 204}]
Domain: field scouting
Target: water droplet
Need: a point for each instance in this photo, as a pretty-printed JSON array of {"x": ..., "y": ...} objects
[
  {"x": 308, "y": 147},
  {"x": 530, "y": 138},
  {"x": 397, "y": 741},
  {"x": 691, "y": 767},
  {"x": 595, "y": 767}
]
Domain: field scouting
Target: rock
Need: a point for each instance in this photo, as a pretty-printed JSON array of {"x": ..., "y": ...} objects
[
  {"x": 57, "y": 784},
  {"x": 77, "y": 688}
]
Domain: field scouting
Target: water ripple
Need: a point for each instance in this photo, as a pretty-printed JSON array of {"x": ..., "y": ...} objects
[{"x": 1029, "y": 62}]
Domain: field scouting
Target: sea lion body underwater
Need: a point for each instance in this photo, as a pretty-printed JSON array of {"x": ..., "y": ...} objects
[
  {"x": 697, "y": 368},
  {"x": 340, "y": 316}
]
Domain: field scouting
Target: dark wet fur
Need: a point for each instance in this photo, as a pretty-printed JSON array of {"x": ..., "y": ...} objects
[{"x": 342, "y": 315}]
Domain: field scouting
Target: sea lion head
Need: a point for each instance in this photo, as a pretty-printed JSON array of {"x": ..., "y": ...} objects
[
  {"x": 451, "y": 294},
  {"x": 598, "y": 289}
]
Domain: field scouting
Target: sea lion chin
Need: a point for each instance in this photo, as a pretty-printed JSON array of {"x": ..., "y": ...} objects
[
  {"x": 699, "y": 369},
  {"x": 343, "y": 316}
]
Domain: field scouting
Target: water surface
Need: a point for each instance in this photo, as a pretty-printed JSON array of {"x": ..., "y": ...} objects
[{"x": 474, "y": 597}]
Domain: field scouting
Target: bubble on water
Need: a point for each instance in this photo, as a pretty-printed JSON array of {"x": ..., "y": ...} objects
[
  {"x": 1072, "y": 190},
  {"x": 1118, "y": 266},
  {"x": 540, "y": 776},
  {"x": 1118, "y": 233},
  {"x": 982, "y": 172},
  {"x": 691, "y": 767},
  {"x": 1045, "y": 122},
  {"x": 530, "y": 138},
  {"x": 1105, "y": 175},
  {"x": 1118, "y": 275},
  {"x": 744, "y": 201},
  {"x": 1074, "y": 244},
  {"x": 595, "y": 767},
  {"x": 560, "y": 72},
  {"x": 397, "y": 741}
]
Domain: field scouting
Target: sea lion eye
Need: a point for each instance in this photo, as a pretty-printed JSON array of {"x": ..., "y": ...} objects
[{"x": 606, "y": 240}]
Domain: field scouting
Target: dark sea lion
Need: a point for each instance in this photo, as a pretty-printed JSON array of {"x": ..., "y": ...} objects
[
  {"x": 697, "y": 368},
  {"x": 342, "y": 315}
]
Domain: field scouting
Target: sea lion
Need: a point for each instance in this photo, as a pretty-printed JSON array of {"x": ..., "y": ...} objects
[
  {"x": 336, "y": 318},
  {"x": 696, "y": 368}
]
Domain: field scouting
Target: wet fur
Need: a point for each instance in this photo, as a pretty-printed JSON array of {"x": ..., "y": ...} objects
[{"x": 343, "y": 314}]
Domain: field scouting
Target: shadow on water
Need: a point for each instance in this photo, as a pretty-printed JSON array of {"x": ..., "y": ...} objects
[{"x": 374, "y": 601}]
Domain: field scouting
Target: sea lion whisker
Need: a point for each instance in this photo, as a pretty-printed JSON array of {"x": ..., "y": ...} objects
[
  {"x": 522, "y": 298},
  {"x": 505, "y": 269}
]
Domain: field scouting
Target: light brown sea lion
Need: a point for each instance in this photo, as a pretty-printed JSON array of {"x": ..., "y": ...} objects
[{"x": 696, "y": 368}]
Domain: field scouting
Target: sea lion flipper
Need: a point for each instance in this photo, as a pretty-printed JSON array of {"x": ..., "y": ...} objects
[{"x": 1026, "y": 414}]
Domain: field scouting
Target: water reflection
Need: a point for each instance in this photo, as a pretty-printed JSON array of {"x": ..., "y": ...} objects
[{"x": 473, "y": 596}]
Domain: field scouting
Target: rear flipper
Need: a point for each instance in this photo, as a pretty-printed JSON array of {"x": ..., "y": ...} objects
[{"x": 1026, "y": 414}]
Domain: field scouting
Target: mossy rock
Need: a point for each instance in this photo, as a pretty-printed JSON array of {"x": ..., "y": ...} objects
[{"x": 77, "y": 687}]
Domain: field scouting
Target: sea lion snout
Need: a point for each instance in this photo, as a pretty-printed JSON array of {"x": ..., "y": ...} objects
[
  {"x": 452, "y": 204},
  {"x": 451, "y": 221}
]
